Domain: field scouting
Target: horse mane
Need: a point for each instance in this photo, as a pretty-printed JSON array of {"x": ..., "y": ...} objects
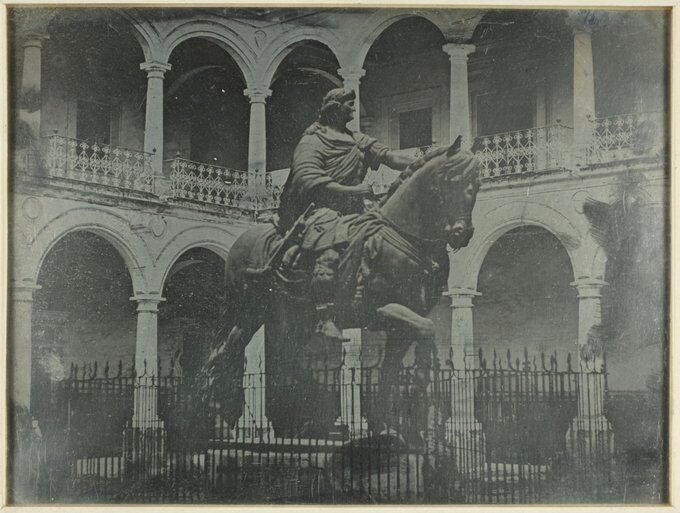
[{"x": 465, "y": 171}]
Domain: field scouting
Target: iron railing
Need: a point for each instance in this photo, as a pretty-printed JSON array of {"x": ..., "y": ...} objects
[
  {"x": 99, "y": 163},
  {"x": 625, "y": 136},
  {"x": 503, "y": 433},
  {"x": 524, "y": 151},
  {"x": 217, "y": 185}
]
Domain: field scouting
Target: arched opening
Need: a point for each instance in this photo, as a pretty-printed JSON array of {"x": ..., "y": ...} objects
[
  {"x": 194, "y": 294},
  {"x": 302, "y": 79},
  {"x": 405, "y": 92},
  {"x": 521, "y": 71},
  {"x": 527, "y": 300},
  {"x": 206, "y": 113},
  {"x": 82, "y": 315},
  {"x": 93, "y": 89}
]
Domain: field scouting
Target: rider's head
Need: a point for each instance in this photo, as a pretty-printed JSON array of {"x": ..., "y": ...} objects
[{"x": 337, "y": 108}]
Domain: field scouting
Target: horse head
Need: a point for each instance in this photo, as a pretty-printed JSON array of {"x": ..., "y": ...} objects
[{"x": 435, "y": 198}]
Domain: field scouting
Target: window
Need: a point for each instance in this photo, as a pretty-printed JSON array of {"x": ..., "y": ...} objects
[
  {"x": 415, "y": 128},
  {"x": 505, "y": 112},
  {"x": 94, "y": 122}
]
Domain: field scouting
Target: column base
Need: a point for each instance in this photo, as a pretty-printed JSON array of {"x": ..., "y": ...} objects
[
  {"x": 144, "y": 450},
  {"x": 467, "y": 437},
  {"x": 590, "y": 438},
  {"x": 247, "y": 429},
  {"x": 356, "y": 429}
]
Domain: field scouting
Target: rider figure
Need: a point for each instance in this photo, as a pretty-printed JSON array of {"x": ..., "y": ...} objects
[{"x": 329, "y": 165}]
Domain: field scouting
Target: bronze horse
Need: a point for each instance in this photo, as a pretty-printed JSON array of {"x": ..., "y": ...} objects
[{"x": 391, "y": 274}]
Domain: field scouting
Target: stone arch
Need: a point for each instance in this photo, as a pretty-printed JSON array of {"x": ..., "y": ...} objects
[
  {"x": 114, "y": 228},
  {"x": 143, "y": 32},
  {"x": 375, "y": 26},
  {"x": 466, "y": 264},
  {"x": 282, "y": 46},
  {"x": 237, "y": 48},
  {"x": 216, "y": 239}
]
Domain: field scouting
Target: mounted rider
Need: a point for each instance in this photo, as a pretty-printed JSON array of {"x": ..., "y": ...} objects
[{"x": 329, "y": 166}]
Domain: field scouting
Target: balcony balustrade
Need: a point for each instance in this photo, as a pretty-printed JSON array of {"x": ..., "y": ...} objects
[
  {"x": 504, "y": 155},
  {"x": 625, "y": 136},
  {"x": 98, "y": 163},
  {"x": 524, "y": 151},
  {"x": 248, "y": 190}
]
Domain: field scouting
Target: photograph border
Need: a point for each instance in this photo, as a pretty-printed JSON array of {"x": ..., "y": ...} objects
[{"x": 673, "y": 217}]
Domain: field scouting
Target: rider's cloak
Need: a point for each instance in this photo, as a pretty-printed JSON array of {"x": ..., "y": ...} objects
[{"x": 324, "y": 156}]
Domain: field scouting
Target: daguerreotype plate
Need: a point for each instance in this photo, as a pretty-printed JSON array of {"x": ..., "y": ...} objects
[{"x": 338, "y": 255}]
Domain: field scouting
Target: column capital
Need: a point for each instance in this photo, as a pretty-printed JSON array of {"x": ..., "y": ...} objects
[
  {"x": 462, "y": 297},
  {"x": 155, "y": 69},
  {"x": 147, "y": 302},
  {"x": 458, "y": 51},
  {"x": 589, "y": 287},
  {"x": 22, "y": 291},
  {"x": 582, "y": 20},
  {"x": 257, "y": 94},
  {"x": 34, "y": 40},
  {"x": 351, "y": 74}
]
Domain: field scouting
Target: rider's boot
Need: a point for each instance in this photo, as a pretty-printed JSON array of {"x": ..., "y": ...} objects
[{"x": 322, "y": 286}]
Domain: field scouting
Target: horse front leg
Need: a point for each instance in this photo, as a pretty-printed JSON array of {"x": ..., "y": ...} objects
[
  {"x": 414, "y": 397},
  {"x": 407, "y": 327}
]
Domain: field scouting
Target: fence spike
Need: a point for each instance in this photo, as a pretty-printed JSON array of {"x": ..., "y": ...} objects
[
  {"x": 144, "y": 367},
  {"x": 160, "y": 368},
  {"x": 518, "y": 365},
  {"x": 534, "y": 362},
  {"x": 120, "y": 368},
  {"x": 543, "y": 361},
  {"x": 509, "y": 358},
  {"x": 96, "y": 369},
  {"x": 569, "y": 362},
  {"x": 526, "y": 354},
  {"x": 75, "y": 371},
  {"x": 480, "y": 353},
  {"x": 106, "y": 369},
  {"x": 482, "y": 363},
  {"x": 171, "y": 373},
  {"x": 71, "y": 373},
  {"x": 451, "y": 353}
]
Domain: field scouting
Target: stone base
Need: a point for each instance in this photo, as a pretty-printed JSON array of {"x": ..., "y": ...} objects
[
  {"x": 467, "y": 437},
  {"x": 589, "y": 438},
  {"x": 144, "y": 450}
]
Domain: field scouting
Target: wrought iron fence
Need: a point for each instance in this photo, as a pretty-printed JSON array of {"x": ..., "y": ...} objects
[
  {"x": 504, "y": 433},
  {"x": 99, "y": 163}
]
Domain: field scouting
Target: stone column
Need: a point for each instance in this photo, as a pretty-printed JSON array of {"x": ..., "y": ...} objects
[
  {"x": 462, "y": 344},
  {"x": 584, "y": 89},
  {"x": 30, "y": 100},
  {"x": 350, "y": 391},
  {"x": 257, "y": 142},
  {"x": 153, "y": 128},
  {"x": 463, "y": 428},
  {"x": 590, "y": 431},
  {"x": 20, "y": 342},
  {"x": 146, "y": 361},
  {"x": 459, "y": 110},
  {"x": 254, "y": 422},
  {"x": 350, "y": 80}
]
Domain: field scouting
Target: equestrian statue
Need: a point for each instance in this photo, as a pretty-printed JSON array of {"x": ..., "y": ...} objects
[{"x": 328, "y": 263}]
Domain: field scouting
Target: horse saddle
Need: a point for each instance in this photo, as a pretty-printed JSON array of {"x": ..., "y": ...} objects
[{"x": 325, "y": 229}]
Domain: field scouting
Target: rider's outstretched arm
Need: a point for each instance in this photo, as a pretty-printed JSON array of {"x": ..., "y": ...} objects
[{"x": 398, "y": 161}]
